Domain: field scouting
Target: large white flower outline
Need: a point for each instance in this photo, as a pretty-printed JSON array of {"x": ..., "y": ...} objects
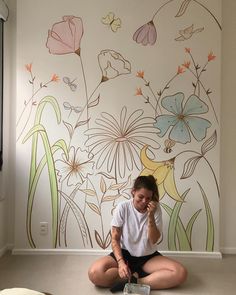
[
  {"x": 118, "y": 143},
  {"x": 76, "y": 167}
]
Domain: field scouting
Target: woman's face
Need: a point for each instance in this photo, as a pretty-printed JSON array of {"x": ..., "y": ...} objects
[{"x": 141, "y": 198}]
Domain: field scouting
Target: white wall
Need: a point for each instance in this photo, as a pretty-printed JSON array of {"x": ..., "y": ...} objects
[
  {"x": 163, "y": 60},
  {"x": 228, "y": 126},
  {"x": 228, "y": 142}
]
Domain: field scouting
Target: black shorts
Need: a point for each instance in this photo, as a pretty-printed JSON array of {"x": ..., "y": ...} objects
[{"x": 136, "y": 263}]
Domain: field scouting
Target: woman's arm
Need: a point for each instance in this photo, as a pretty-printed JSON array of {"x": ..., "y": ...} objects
[
  {"x": 115, "y": 243},
  {"x": 153, "y": 232},
  {"x": 123, "y": 269}
]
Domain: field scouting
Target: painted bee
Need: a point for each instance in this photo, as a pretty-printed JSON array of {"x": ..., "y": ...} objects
[{"x": 169, "y": 143}]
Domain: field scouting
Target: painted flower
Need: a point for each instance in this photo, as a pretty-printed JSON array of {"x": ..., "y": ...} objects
[
  {"x": 211, "y": 56},
  {"x": 186, "y": 64},
  {"x": 139, "y": 91},
  {"x": 146, "y": 34},
  {"x": 65, "y": 36},
  {"x": 140, "y": 74},
  {"x": 29, "y": 67},
  {"x": 183, "y": 120},
  {"x": 163, "y": 172},
  {"x": 117, "y": 143},
  {"x": 112, "y": 64},
  {"x": 76, "y": 168},
  {"x": 180, "y": 70},
  {"x": 55, "y": 78}
]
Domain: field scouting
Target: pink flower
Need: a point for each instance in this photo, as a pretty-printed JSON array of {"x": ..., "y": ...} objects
[
  {"x": 211, "y": 56},
  {"x": 180, "y": 70},
  {"x": 146, "y": 34},
  {"x": 65, "y": 36},
  {"x": 55, "y": 78},
  {"x": 29, "y": 67},
  {"x": 139, "y": 91},
  {"x": 140, "y": 74},
  {"x": 186, "y": 64}
]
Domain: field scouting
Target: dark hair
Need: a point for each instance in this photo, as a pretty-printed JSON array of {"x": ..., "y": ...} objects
[{"x": 148, "y": 182}]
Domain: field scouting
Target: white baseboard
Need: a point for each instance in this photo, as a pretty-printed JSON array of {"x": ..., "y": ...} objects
[
  {"x": 228, "y": 250},
  {"x": 192, "y": 254},
  {"x": 105, "y": 252},
  {"x": 4, "y": 249}
]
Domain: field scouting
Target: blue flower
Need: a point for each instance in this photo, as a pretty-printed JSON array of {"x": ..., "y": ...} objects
[{"x": 183, "y": 120}]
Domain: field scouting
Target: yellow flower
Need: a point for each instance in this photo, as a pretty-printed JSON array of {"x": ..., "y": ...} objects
[{"x": 163, "y": 172}]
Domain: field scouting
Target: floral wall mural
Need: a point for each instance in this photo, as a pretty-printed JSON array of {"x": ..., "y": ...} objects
[{"x": 106, "y": 95}]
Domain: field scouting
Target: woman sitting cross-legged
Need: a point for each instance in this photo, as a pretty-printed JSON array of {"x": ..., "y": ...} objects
[{"x": 136, "y": 229}]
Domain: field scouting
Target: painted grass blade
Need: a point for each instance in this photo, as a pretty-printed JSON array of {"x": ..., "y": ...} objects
[
  {"x": 83, "y": 226},
  {"x": 183, "y": 240},
  {"x": 64, "y": 218},
  {"x": 210, "y": 222},
  {"x": 60, "y": 144},
  {"x": 47, "y": 99},
  {"x": 34, "y": 132},
  {"x": 53, "y": 185},
  {"x": 190, "y": 225},
  {"x": 180, "y": 231}
]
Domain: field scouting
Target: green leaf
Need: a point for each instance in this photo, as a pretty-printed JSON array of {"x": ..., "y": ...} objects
[
  {"x": 180, "y": 230},
  {"x": 210, "y": 223},
  {"x": 183, "y": 240},
  {"x": 190, "y": 225},
  {"x": 53, "y": 184},
  {"x": 52, "y": 101},
  {"x": 33, "y": 166}
]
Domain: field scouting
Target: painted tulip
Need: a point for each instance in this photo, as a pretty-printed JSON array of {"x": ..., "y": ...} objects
[
  {"x": 146, "y": 34},
  {"x": 65, "y": 36}
]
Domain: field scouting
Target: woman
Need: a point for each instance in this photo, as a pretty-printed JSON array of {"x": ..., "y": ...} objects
[{"x": 136, "y": 229}]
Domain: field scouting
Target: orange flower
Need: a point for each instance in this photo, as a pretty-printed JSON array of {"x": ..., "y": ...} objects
[
  {"x": 139, "y": 91},
  {"x": 180, "y": 70},
  {"x": 28, "y": 67},
  {"x": 186, "y": 64},
  {"x": 55, "y": 78},
  {"x": 211, "y": 56},
  {"x": 140, "y": 74},
  {"x": 187, "y": 50}
]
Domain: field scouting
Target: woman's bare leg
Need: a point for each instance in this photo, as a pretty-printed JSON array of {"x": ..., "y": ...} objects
[
  {"x": 104, "y": 272},
  {"x": 163, "y": 272}
]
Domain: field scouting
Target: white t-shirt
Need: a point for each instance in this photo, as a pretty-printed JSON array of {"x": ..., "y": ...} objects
[{"x": 134, "y": 236}]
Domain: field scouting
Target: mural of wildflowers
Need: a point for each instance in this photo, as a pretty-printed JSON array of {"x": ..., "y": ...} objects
[{"x": 101, "y": 144}]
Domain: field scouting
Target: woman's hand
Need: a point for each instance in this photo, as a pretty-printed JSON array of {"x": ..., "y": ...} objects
[
  {"x": 151, "y": 208},
  {"x": 123, "y": 270}
]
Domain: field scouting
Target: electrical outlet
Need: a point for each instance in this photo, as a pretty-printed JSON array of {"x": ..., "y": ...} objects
[{"x": 43, "y": 228}]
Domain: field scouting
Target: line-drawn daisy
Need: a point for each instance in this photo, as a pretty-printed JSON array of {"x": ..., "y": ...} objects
[
  {"x": 118, "y": 143},
  {"x": 76, "y": 168}
]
